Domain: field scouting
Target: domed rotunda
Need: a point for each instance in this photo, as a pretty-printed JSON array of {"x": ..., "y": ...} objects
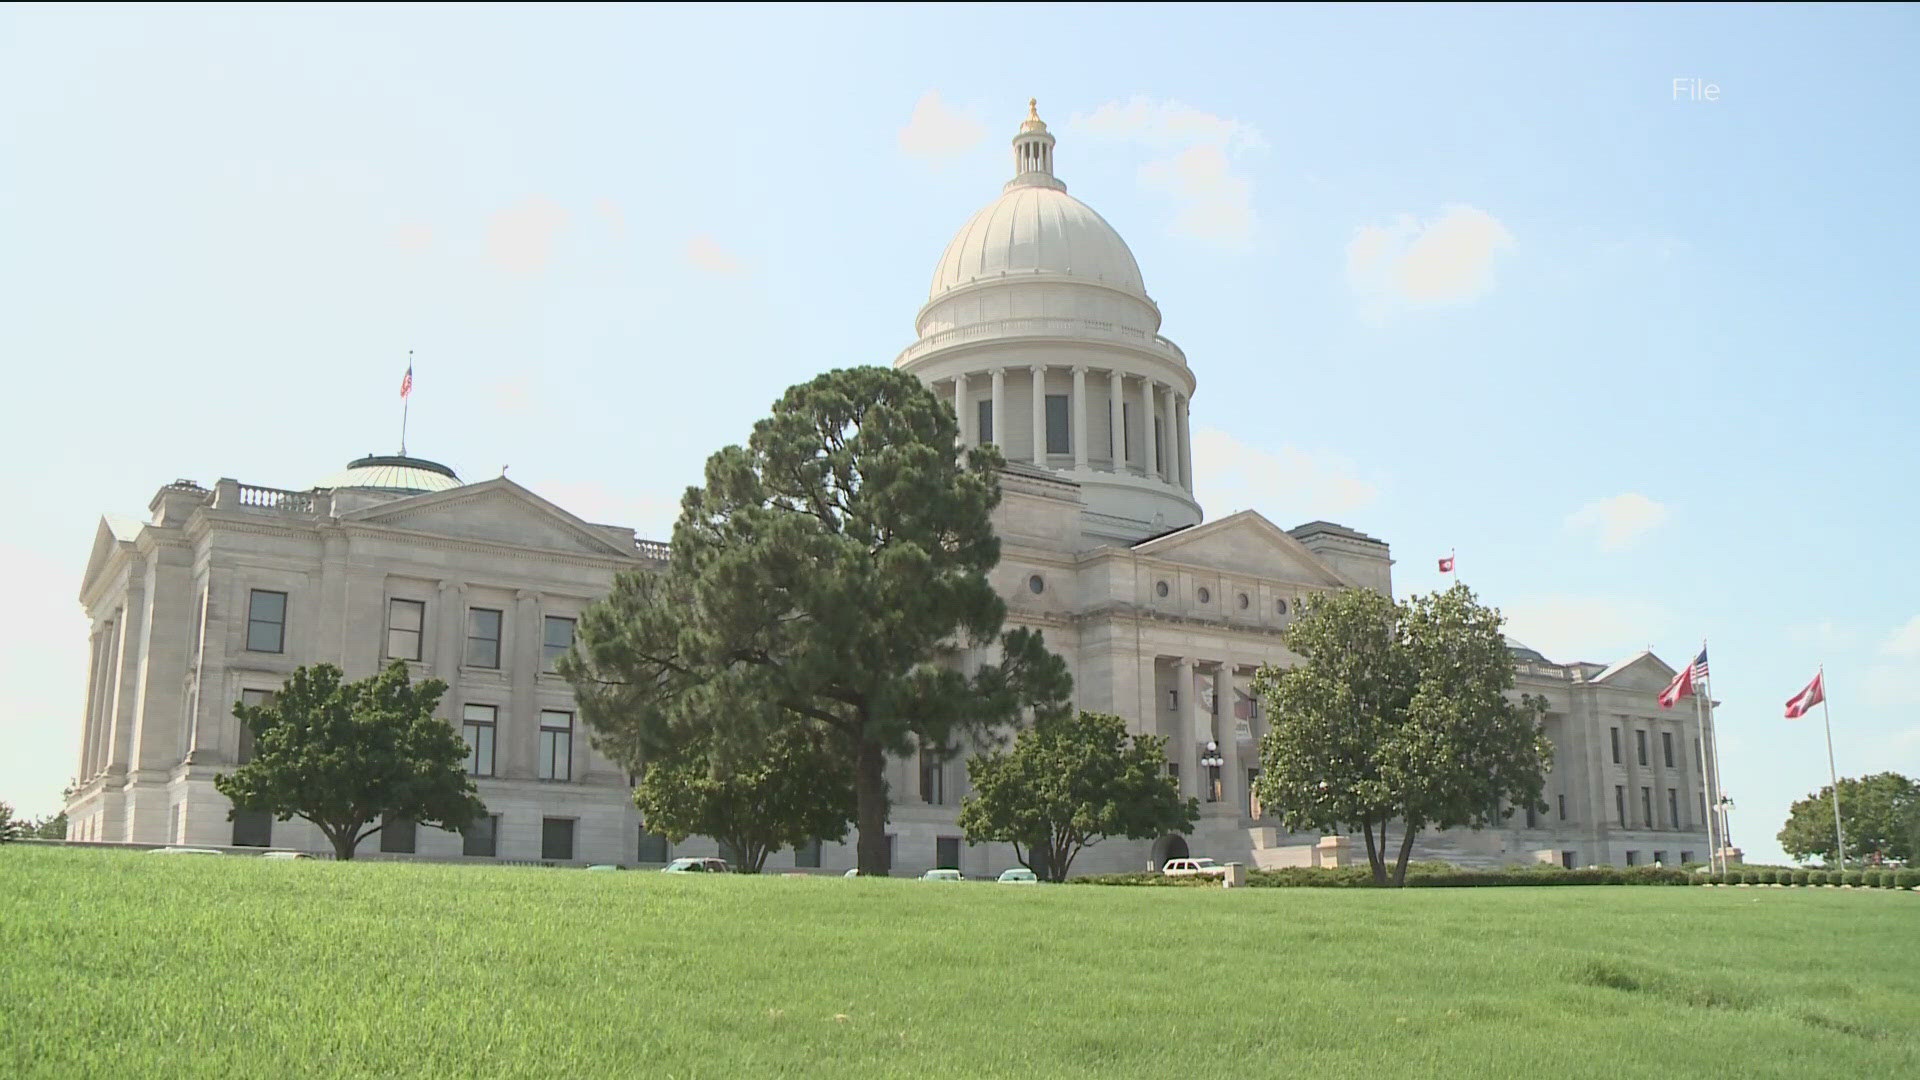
[{"x": 1039, "y": 327}]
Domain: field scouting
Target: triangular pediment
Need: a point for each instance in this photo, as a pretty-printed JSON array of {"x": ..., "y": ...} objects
[
  {"x": 499, "y": 511},
  {"x": 1642, "y": 671},
  {"x": 1244, "y": 543},
  {"x": 113, "y": 535}
]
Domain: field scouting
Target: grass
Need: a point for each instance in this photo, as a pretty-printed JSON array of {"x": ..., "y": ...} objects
[{"x": 117, "y": 964}]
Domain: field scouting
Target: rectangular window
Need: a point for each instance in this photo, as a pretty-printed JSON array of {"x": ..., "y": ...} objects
[
  {"x": 1673, "y": 808},
  {"x": 483, "y": 638},
  {"x": 1686, "y": 857},
  {"x": 1173, "y": 770},
  {"x": 1666, "y": 747},
  {"x": 1659, "y": 858},
  {"x": 1159, "y": 448},
  {"x": 933, "y": 779},
  {"x": 477, "y": 727},
  {"x": 266, "y": 621},
  {"x": 255, "y": 698},
  {"x": 405, "y": 621},
  {"x": 556, "y": 745},
  {"x": 1632, "y": 857},
  {"x": 1563, "y": 808},
  {"x": 556, "y": 839},
  {"x": 1059, "y": 436},
  {"x": 558, "y": 639},
  {"x": 252, "y": 828},
  {"x": 397, "y": 836},
  {"x": 1615, "y": 732},
  {"x": 654, "y": 847},
  {"x": 481, "y": 838},
  {"x": 1173, "y": 701},
  {"x": 1646, "y": 807},
  {"x": 984, "y": 413},
  {"x": 1126, "y": 429},
  {"x": 1640, "y": 746},
  {"x": 1620, "y": 803},
  {"x": 1533, "y": 821},
  {"x": 946, "y": 852},
  {"x": 1567, "y": 860},
  {"x": 807, "y": 855}
]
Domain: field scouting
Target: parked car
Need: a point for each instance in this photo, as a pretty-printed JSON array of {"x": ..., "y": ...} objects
[
  {"x": 1192, "y": 867},
  {"x": 696, "y": 866},
  {"x": 942, "y": 875},
  {"x": 280, "y": 855},
  {"x": 855, "y": 872},
  {"x": 1019, "y": 875},
  {"x": 184, "y": 851},
  {"x": 603, "y": 867}
]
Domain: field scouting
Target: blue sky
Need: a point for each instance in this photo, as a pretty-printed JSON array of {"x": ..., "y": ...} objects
[{"x": 1466, "y": 279}]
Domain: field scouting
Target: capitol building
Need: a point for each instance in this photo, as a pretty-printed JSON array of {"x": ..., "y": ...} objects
[{"x": 1039, "y": 328}]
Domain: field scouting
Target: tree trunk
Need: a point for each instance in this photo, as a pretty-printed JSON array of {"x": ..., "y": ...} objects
[
  {"x": 1376, "y": 852},
  {"x": 870, "y": 809},
  {"x": 1406, "y": 849},
  {"x": 344, "y": 842}
]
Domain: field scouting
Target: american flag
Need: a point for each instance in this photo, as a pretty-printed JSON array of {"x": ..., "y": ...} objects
[
  {"x": 406, "y": 384},
  {"x": 1700, "y": 665}
]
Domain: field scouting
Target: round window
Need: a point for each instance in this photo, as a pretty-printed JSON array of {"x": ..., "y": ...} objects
[
  {"x": 1244, "y": 601},
  {"x": 1037, "y": 583},
  {"x": 1205, "y": 596},
  {"x": 1160, "y": 589},
  {"x": 1282, "y": 605}
]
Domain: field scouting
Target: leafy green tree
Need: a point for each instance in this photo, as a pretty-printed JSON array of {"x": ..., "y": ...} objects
[
  {"x": 1069, "y": 782},
  {"x": 795, "y": 788},
  {"x": 1398, "y": 712},
  {"x": 10, "y": 826},
  {"x": 344, "y": 755},
  {"x": 1881, "y": 814},
  {"x": 829, "y": 573}
]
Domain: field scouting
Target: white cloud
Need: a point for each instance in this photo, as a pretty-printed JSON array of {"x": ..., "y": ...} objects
[
  {"x": 1291, "y": 483},
  {"x": 521, "y": 237},
  {"x": 938, "y": 133},
  {"x": 705, "y": 252},
  {"x": 1197, "y": 153},
  {"x": 1448, "y": 260},
  {"x": 1618, "y": 521},
  {"x": 1599, "y": 629}
]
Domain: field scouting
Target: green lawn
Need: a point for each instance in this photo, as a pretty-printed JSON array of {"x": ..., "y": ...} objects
[{"x": 116, "y": 964}]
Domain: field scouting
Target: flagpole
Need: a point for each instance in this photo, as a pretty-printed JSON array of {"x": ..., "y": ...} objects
[
  {"x": 1708, "y": 805},
  {"x": 406, "y": 401},
  {"x": 1839, "y": 835},
  {"x": 1719, "y": 795}
]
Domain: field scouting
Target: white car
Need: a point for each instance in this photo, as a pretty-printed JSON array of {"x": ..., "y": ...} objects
[
  {"x": 279, "y": 856},
  {"x": 1192, "y": 868},
  {"x": 183, "y": 851},
  {"x": 1019, "y": 875}
]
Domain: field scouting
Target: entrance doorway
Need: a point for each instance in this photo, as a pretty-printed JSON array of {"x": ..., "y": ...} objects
[{"x": 1168, "y": 847}]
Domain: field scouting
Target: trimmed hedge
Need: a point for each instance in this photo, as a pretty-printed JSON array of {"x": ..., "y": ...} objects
[{"x": 1444, "y": 876}]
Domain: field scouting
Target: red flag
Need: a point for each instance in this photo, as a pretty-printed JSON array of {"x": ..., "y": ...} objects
[
  {"x": 1680, "y": 687},
  {"x": 1801, "y": 702},
  {"x": 1446, "y": 565},
  {"x": 406, "y": 384}
]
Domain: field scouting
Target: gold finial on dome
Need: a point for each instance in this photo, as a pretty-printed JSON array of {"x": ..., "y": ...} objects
[{"x": 1033, "y": 108}]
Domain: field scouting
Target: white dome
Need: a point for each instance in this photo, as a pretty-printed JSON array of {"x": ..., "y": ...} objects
[
  {"x": 410, "y": 475},
  {"x": 1033, "y": 230}
]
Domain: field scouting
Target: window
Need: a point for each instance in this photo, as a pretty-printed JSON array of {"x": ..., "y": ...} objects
[
  {"x": 257, "y": 699},
  {"x": 1160, "y": 589},
  {"x": 252, "y": 828},
  {"x": 558, "y": 639},
  {"x": 1620, "y": 803},
  {"x": 933, "y": 779},
  {"x": 1563, "y": 808},
  {"x": 397, "y": 836},
  {"x": 1666, "y": 747},
  {"x": 1640, "y": 746},
  {"x": 483, "y": 638},
  {"x": 985, "y": 414},
  {"x": 946, "y": 852},
  {"x": 556, "y": 745},
  {"x": 1646, "y": 807},
  {"x": 556, "y": 838},
  {"x": 1533, "y": 821},
  {"x": 1686, "y": 857},
  {"x": 1126, "y": 426},
  {"x": 266, "y": 621},
  {"x": 1205, "y": 596},
  {"x": 1567, "y": 859},
  {"x": 654, "y": 847},
  {"x": 477, "y": 727},
  {"x": 1173, "y": 700},
  {"x": 1173, "y": 770},
  {"x": 1059, "y": 440},
  {"x": 1244, "y": 601},
  {"x": 807, "y": 855},
  {"x": 1673, "y": 808},
  {"x": 1632, "y": 857},
  {"x": 405, "y": 621},
  {"x": 1036, "y": 584},
  {"x": 1159, "y": 448},
  {"x": 1281, "y": 605},
  {"x": 1659, "y": 858},
  {"x": 481, "y": 837},
  {"x": 1615, "y": 733}
]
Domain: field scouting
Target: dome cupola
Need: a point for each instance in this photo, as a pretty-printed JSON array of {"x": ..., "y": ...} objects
[{"x": 393, "y": 473}]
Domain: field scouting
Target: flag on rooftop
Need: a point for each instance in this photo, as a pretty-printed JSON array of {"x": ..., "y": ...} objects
[{"x": 406, "y": 383}]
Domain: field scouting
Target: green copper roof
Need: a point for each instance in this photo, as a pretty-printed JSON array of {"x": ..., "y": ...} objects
[{"x": 393, "y": 473}]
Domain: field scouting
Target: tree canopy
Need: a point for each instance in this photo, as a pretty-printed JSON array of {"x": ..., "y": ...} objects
[
  {"x": 1398, "y": 712},
  {"x": 1069, "y": 782},
  {"x": 345, "y": 755},
  {"x": 795, "y": 788},
  {"x": 831, "y": 572},
  {"x": 1881, "y": 814}
]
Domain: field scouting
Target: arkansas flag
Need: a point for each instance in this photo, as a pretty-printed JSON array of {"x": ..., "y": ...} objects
[
  {"x": 1446, "y": 565},
  {"x": 1814, "y": 694},
  {"x": 1680, "y": 687}
]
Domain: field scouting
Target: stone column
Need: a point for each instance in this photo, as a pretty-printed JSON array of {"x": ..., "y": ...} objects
[
  {"x": 1000, "y": 408},
  {"x": 960, "y": 410},
  {"x": 1039, "y": 414},
  {"x": 1175, "y": 474},
  {"x": 1190, "y": 732},
  {"x": 522, "y": 727},
  {"x": 448, "y": 617},
  {"x": 1150, "y": 397},
  {"x": 1186, "y": 442},
  {"x": 1231, "y": 782},
  {"x": 96, "y": 680},
  {"x": 1078, "y": 435},
  {"x": 1117, "y": 419},
  {"x": 127, "y": 664},
  {"x": 1147, "y": 697}
]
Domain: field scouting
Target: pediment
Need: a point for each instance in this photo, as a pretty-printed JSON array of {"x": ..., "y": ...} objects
[
  {"x": 1643, "y": 671},
  {"x": 113, "y": 535},
  {"x": 1243, "y": 543},
  {"x": 497, "y": 510}
]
